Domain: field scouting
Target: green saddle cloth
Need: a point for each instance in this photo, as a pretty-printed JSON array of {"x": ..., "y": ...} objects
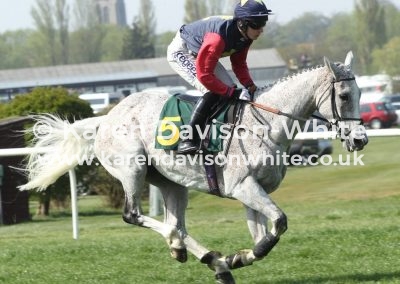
[{"x": 177, "y": 113}]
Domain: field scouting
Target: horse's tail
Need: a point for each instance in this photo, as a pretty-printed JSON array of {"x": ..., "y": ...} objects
[{"x": 58, "y": 147}]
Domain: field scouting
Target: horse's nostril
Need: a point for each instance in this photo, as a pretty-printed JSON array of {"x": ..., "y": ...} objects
[{"x": 360, "y": 143}]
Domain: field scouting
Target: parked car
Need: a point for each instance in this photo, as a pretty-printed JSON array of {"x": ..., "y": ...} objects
[
  {"x": 308, "y": 147},
  {"x": 395, "y": 101},
  {"x": 397, "y": 110},
  {"x": 378, "y": 115}
]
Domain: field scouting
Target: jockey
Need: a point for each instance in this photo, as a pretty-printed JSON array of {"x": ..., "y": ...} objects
[{"x": 196, "y": 49}]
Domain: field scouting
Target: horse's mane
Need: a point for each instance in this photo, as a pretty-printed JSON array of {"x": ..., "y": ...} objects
[
  {"x": 346, "y": 73},
  {"x": 289, "y": 77}
]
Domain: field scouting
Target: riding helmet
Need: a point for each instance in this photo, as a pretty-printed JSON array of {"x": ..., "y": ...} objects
[
  {"x": 251, "y": 13},
  {"x": 251, "y": 9}
]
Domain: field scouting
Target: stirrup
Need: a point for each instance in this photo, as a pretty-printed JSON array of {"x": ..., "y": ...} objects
[{"x": 187, "y": 147}]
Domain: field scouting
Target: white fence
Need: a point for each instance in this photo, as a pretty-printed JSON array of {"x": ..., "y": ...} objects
[
  {"x": 332, "y": 135},
  {"x": 155, "y": 200}
]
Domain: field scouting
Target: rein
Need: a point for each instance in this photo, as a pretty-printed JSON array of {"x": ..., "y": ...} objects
[{"x": 336, "y": 117}]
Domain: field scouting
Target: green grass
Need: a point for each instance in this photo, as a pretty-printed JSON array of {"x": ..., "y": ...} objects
[{"x": 344, "y": 227}]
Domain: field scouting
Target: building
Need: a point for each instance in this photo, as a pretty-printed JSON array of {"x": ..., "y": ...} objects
[
  {"x": 266, "y": 66},
  {"x": 112, "y": 12}
]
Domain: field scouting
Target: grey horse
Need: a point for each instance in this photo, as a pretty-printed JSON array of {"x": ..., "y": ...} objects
[{"x": 124, "y": 143}]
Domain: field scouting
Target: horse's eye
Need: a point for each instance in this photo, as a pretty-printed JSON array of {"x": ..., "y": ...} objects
[{"x": 344, "y": 97}]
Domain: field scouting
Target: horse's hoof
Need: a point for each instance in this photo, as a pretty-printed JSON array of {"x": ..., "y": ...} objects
[
  {"x": 179, "y": 254},
  {"x": 224, "y": 278}
]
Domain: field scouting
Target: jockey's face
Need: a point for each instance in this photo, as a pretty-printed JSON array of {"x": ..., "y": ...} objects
[{"x": 253, "y": 34}]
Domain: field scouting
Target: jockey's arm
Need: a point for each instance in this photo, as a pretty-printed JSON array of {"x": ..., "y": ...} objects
[
  {"x": 207, "y": 59},
  {"x": 241, "y": 70}
]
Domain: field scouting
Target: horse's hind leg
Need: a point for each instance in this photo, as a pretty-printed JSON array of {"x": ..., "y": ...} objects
[
  {"x": 176, "y": 200},
  {"x": 257, "y": 224},
  {"x": 132, "y": 178},
  {"x": 175, "y": 203},
  {"x": 215, "y": 260}
]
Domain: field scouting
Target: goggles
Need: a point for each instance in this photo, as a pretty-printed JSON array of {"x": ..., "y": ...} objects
[{"x": 257, "y": 24}]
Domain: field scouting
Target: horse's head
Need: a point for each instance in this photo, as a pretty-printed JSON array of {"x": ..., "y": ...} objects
[{"x": 342, "y": 105}]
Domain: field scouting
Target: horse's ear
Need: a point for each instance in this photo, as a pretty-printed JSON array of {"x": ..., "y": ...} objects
[
  {"x": 332, "y": 67},
  {"x": 349, "y": 60}
]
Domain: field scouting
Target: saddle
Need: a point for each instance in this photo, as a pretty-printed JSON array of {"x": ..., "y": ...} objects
[{"x": 176, "y": 113}]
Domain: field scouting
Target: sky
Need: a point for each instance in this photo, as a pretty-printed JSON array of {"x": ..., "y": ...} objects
[{"x": 15, "y": 14}]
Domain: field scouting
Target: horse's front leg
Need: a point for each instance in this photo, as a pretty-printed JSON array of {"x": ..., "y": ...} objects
[{"x": 253, "y": 196}]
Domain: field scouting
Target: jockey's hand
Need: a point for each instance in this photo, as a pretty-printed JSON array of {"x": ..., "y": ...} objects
[
  {"x": 242, "y": 94},
  {"x": 252, "y": 89}
]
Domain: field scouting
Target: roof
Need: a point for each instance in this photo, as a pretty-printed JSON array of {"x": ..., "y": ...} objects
[
  {"x": 261, "y": 58},
  {"x": 14, "y": 121},
  {"x": 118, "y": 70}
]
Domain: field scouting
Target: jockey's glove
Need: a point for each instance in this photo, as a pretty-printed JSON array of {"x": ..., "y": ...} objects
[
  {"x": 252, "y": 89},
  {"x": 241, "y": 94}
]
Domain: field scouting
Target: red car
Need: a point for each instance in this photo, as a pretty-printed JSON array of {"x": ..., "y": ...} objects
[{"x": 378, "y": 114}]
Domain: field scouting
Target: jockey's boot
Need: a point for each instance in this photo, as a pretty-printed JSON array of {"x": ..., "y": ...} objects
[{"x": 202, "y": 110}]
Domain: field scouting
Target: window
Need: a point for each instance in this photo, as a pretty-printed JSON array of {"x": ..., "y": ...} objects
[
  {"x": 365, "y": 108},
  {"x": 96, "y": 101},
  {"x": 105, "y": 89},
  {"x": 379, "y": 107}
]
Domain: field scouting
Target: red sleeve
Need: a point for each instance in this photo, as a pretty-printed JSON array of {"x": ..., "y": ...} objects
[
  {"x": 207, "y": 59},
  {"x": 239, "y": 67}
]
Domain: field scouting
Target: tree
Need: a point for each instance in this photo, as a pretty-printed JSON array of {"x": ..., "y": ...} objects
[
  {"x": 55, "y": 101},
  {"x": 108, "y": 187},
  {"x": 62, "y": 20},
  {"x": 195, "y": 10},
  {"x": 162, "y": 42},
  {"x": 215, "y": 7},
  {"x": 52, "y": 19},
  {"x": 301, "y": 38},
  {"x": 139, "y": 41},
  {"x": 384, "y": 57},
  {"x": 370, "y": 31},
  {"x": 392, "y": 20},
  {"x": 308, "y": 28},
  {"x": 112, "y": 43},
  {"x": 339, "y": 38},
  {"x": 89, "y": 33},
  {"x": 230, "y": 6},
  {"x": 268, "y": 38},
  {"x": 16, "y": 49},
  {"x": 48, "y": 100}
]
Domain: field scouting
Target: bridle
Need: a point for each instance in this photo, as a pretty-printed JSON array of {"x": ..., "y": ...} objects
[{"x": 335, "y": 113}]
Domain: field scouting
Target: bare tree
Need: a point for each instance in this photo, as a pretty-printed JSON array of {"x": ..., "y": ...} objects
[
  {"x": 215, "y": 7},
  {"x": 139, "y": 41},
  {"x": 195, "y": 10},
  {"x": 229, "y": 6},
  {"x": 62, "y": 19},
  {"x": 51, "y": 19},
  {"x": 43, "y": 17},
  {"x": 89, "y": 32},
  {"x": 85, "y": 14}
]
